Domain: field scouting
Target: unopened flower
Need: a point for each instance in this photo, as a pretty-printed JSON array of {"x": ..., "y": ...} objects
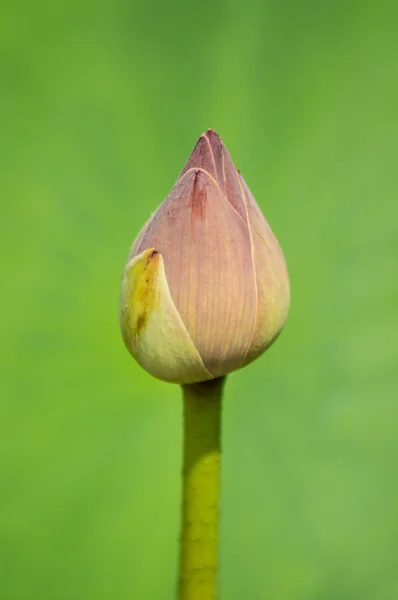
[{"x": 205, "y": 290}]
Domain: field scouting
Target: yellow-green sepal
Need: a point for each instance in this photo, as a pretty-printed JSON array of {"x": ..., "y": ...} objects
[{"x": 151, "y": 326}]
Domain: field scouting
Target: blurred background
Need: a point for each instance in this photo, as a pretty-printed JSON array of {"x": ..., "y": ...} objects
[{"x": 101, "y": 104}]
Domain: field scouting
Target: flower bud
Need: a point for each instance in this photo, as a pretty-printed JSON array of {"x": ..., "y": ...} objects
[{"x": 205, "y": 290}]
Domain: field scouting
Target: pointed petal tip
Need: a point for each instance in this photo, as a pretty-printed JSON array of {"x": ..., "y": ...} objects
[
  {"x": 211, "y": 132},
  {"x": 212, "y": 137},
  {"x": 200, "y": 171},
  {"x": 152, "y": 254},
  {"x": 205, "y": 154}
]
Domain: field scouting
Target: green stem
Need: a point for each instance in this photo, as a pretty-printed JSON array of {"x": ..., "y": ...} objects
[{"x": 201, "y": 491}]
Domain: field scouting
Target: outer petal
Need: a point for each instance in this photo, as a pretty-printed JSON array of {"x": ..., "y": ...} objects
[
  {"x": 272, "y": 280},
  {"x": 208, "y": 260},
  {"x": 151, "y": 326}
]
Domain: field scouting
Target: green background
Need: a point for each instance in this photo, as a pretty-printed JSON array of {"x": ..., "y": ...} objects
[{"x": 101, "y": 104}]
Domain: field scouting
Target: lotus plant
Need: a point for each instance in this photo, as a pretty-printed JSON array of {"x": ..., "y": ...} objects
[{"x": 205, "y": 292}]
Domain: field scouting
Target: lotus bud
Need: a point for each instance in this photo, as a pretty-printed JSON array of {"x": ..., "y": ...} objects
[{"x": 205, "y": 290}]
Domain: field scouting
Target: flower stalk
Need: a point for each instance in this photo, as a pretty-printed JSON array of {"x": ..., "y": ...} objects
[{"x": 200, "y": 490}]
